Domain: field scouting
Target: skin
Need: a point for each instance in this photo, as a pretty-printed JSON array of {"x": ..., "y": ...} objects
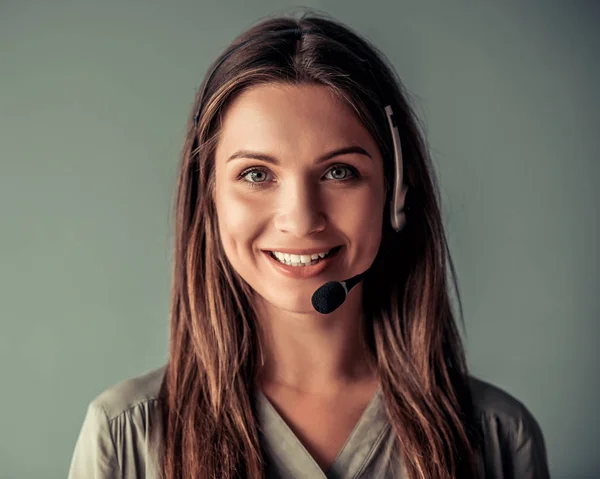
[{"x": 301, "y": 204}]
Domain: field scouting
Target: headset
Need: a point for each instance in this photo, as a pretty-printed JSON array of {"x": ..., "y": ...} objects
[{"x": 332, "y": 294}]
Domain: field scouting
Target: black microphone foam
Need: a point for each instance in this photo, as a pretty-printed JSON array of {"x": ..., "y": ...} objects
[
  {"x": 332, "y": 294},
  {"x": 329, "y": 297}
]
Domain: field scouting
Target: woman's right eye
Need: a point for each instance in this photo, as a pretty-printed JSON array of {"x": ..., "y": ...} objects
[{"x": 250, "y": 172}]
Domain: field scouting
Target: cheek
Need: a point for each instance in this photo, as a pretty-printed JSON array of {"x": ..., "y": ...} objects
[
  {"x": 371, "y": 227},
  {"x": 239, "y": 219},
  {"x": 361, "y": 221}
]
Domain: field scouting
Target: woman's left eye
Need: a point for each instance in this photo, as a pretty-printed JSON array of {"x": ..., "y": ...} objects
[{"x": 342, "y": 168}]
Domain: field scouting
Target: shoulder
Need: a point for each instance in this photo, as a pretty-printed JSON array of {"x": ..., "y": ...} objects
[
  {"x": 513, "y": 443},
  {"x": 495, "y": 405},
  {"x": 129, "y": 393},
  {"x": 121, "y": 432}
]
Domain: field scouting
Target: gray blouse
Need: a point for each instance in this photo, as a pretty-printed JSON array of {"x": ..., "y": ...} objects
[{"x": 121, "y": 432}]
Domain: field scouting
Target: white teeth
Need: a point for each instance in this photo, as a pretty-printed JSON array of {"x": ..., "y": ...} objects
[{"x": 298, "y": 260}]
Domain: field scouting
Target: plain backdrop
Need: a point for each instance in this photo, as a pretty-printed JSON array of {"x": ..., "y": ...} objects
[{"x": 94, "y": 96}]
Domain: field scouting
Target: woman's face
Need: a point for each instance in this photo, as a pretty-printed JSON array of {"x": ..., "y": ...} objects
[{"x": 296, "y": 202}]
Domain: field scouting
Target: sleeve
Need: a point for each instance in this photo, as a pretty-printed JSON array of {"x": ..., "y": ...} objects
[
  {"x": 95, "y": 456},
  {"x": 530, "y": 460}
]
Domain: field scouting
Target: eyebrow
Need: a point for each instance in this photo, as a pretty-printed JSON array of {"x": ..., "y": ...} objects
[{"x": 271, "y": 159}]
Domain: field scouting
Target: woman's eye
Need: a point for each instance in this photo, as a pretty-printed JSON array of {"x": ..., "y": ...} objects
[
  {"x": 256, "y": 175},
  {"x": 340, "y": 168}
]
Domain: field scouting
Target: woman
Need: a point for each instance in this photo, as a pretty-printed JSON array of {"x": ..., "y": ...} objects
[{"x": 304, "y": 164}]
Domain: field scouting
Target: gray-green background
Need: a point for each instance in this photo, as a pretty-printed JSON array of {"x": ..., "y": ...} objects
[{"x": 93, "y": 100}]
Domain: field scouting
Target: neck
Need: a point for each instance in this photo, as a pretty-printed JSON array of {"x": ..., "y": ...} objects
[{"x": 311, "y": 352}]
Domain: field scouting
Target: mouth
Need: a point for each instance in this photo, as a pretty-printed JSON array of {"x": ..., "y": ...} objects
[
  {"x": 304, "y": 266},
  {"x": 303, "y": 261}
]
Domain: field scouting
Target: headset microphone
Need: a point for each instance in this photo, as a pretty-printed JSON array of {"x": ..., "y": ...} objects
[{"x": 332, "y": 294}]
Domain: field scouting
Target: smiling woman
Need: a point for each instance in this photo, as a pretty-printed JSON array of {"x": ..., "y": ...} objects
[{"x": 300, "y": 151}]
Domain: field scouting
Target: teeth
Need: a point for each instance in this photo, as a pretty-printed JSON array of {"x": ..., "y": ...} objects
[{"x": 298, "y": 260}]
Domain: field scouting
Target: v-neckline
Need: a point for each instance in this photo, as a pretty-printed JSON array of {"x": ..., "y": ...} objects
[{"x": 290, "y": 455}]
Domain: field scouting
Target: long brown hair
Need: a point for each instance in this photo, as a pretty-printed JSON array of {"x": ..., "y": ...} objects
[{"x": 209, "y": 418}]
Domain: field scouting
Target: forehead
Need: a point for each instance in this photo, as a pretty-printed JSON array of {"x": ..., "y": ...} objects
[{"x": 304, "y": 118}]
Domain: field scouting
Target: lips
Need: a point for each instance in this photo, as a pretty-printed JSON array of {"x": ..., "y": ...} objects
[{"x": 304, "y": 271}]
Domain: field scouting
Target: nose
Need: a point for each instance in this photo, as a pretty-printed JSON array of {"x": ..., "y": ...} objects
[{"x": 300, "y": 210}]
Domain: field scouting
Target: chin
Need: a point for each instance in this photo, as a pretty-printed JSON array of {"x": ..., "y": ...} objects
[{"x": 293, "y": 302}]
